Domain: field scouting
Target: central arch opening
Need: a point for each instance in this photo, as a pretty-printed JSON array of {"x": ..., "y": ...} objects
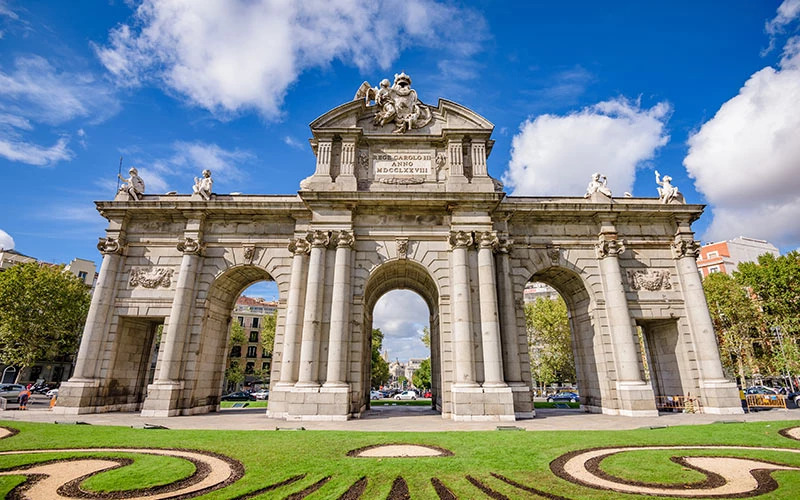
[{"x": 404, "y": 289}]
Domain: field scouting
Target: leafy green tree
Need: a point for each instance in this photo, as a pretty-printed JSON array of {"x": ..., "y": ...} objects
[
  {"x": 426, "y": 337},
  {"x": 380, "y": 368},
  {"x": 237, "y": 334},
  {"x": 549, "y": 341},
  {"x": 234, "y": 374},
  {"x": 737, "y": 321},
  {"x": 268, "y": 332},
  {"x": 422, "y": 375},
  {"x": 42, "y": 312}
]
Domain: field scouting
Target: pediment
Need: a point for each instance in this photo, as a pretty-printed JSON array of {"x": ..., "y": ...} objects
[{"x": 358, "y": 117}]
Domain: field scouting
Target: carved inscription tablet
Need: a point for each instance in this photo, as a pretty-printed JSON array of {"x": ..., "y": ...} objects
[{"x": 402, "y": 164}]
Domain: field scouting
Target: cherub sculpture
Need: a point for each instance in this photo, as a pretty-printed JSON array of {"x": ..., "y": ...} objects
[
  {"x": 667, "y": 193},
  {"x": 597, "y": 185},
  {"x": 203, "y": 185},
  {"x": 133, "y": 186}
]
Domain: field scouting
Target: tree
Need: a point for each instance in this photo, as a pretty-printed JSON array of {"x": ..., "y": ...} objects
[
  {"x": 422, "y": 375},
  {"x": 237, "y": 334},
  {"x": 426, "y": 337},
  {"x": 42, "y": 312},
  {"x": 549, "y": 340},
  {"x": 234, "y": 374},
  {"x": 268, "y": 332},
  {"x": 737, "y": 321},
  {"x": 380, "y": 368}
]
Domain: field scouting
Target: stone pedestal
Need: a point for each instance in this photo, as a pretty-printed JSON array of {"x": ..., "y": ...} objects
[
  {"x": 523, "y": 400},
  {"x": 483, "y": 404},
  {"x": 636, "y": 399},
  {"x": 316, "y": 404},
  {"x": 77, "y": 396},
  {"x": 162, "y": 399}
]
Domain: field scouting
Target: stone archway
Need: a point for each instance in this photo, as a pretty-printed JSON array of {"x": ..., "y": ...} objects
[{"x": 402, "y": 274}]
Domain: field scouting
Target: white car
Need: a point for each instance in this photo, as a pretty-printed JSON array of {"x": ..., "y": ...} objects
[
  {"x": 52, "y": 393},
  {"x": 262, "y": 394},
  {"x": 406, "y": 395},
  {"x": 375, "y": 395}
]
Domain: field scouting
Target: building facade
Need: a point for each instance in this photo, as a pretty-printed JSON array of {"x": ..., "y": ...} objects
[
  {"x": 399, "y": 198},
  {"x": 725, "y": 256},
  {"x": 249, "y": 313}
]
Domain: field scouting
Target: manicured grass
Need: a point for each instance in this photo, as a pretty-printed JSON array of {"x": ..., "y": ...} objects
[
  {"x": 250, "y": 404},
  {"x": 273, "y": 456},
  {"x": 546, "y": 404}
]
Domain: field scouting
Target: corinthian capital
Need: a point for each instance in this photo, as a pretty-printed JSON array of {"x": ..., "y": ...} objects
[
  {"x": 345, "y": 239},
  {"x": 319, "y": 239},
  {"x": 190, "y": 246},
  {"x": 608, "y": 247},
  {"x": 685, "y": 248},
  {"x": 299, "y": 246},
  {"x": 488, "y": 239},
  {"x": 461, "y": 239},
  {"x": 110, "y": 245}
]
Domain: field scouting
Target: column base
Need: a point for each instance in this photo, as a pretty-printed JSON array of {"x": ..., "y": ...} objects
[
  {"x": 162, "y": 399},
  {"x": 523, "y": 400},
  {"x": 482, "y": 404},
  {"x": 720, "y": 397},
  {"x": 635, "y": 399},
  {"x": 308, "y": 403}
]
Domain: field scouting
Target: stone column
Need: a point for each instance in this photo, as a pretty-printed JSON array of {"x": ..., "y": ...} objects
[
  {"x": 180, "y": 313},
  {"x": 508, "y": 322},
  {"x": 479, "y": 159},
  {"x": 455, "y": 161},
  {"x": 340, "y": 312},
  {"x": 462, "y": 323},
  {"x": 324, "y": 159},
  {"x": 490, "y": 325},
  {"x": 99, "y": 311},
  {"x": 719, "y": 395},
  {"x": 346, "y": 177},
  {"x": 619, "y": 318},
  {"x": 309, "y": 346},
  {"x": 294, "y": 312}
]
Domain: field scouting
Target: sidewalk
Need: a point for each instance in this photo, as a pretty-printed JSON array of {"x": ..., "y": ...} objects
[{"x": 412, "y": 419}]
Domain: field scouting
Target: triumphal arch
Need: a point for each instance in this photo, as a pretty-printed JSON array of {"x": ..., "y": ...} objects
[{"x": 400, "y": 198}]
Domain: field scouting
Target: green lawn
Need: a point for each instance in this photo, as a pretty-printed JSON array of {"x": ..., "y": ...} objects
[
  {"x": 250, "y": 404},
  {"x": 270, "y": 457}
]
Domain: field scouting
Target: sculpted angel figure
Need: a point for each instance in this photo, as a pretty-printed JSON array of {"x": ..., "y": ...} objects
[
  {"x": 597, "y": 185},
  {"x": 666, "y": 191},
  {"x": 397, "y": 103},
  {"x": 203, "y": 185},
  {"x": 134, "y": 185}
]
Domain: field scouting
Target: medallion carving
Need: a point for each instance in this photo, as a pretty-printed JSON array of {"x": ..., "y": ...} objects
[
  {"x": 651, "y": 280},
  {"x": 250, "y": 252},
  {"x": 554, "y": 254},
  {"x": 151, "y": 277}
]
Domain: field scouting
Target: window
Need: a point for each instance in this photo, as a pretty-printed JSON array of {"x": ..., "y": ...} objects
[
  {"x": 251, "y": 351},
  {"x": 713, "y": 254},
  {"x": 265, "y": 366},
  {"x": 241, "y": 320},
  {"x": 265, "y": 354},
  {"x": 249, "y": 367},
  {"x": 236, "y": 351},
  {"x": 713, "y": 269},
  {"x": 82, "y": 275},
  {"x": 254, "y": 336},
  {"x": 255, "y": 322}
]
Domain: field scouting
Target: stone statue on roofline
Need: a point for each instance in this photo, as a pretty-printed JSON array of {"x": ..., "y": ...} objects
[
  {"x": 668, "y": 193},
  {"x": 598, "y": 185},
  {"x": 133, "y": 186},
  {"x": 397, "y": 104},
  {"x": 202, "y": 186}
]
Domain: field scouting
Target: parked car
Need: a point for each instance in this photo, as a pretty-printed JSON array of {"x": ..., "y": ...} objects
[
  {"x": 11, "y": 392},
  {"x": 406, "y": 395},
  {"x": 760, "y": 389},
  {"x": 427, "y": 394},
  {"x": 564, "y": 396},
  {"x": 239, "y": 396},
  {"x": 52, "y": 393},
  {"x": 261, "y": 395},
  {"x": 375, "y": 395}
]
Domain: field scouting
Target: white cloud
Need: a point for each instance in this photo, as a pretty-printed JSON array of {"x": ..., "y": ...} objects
[
  {"x": 224, "y": 164},
  {"x": 33, "y": 154},
  {"x": 37, "y": 91},
  {"x": 6, "y": 241},
  {"x": 746, "y": 159},
  {"x": 233, "y": 55},
  {"x": 5, "y": 10},
  {"x": 788, "y": 11},
  {"x": 292, "y": 142},
  {"x": 557, "y": 155},
  {"x": 401, "y": 315}
]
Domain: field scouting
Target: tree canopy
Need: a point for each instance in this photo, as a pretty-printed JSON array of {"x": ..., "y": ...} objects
[
  {"x": 380, "y": 368},
  {"x": 42, "y": 312},
  {"x": 268, "y": 332},
  {"x": 422, "y": 375},
  {"x": 550, "y": 341}
]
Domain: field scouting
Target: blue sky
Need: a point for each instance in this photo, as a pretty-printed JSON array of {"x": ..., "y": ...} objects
[{"x": 707, "y": 92}]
